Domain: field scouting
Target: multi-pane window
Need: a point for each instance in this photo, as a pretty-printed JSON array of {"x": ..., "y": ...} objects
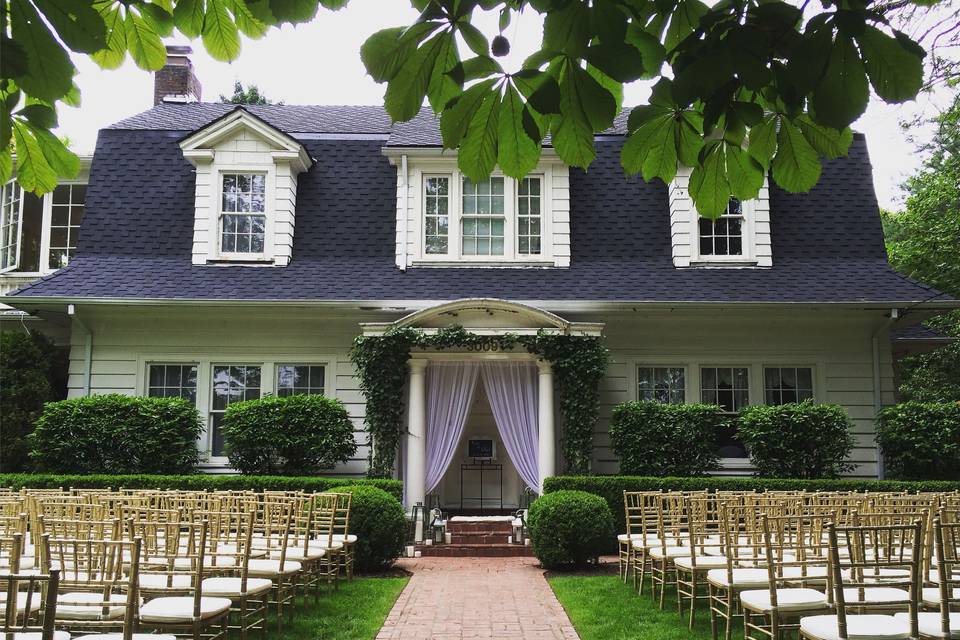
[
  {"x": 787, "y": 384},
  {"x": 172, "y": 381},
  {"x": 436, "y": 201},
  {"x": 728, "y": 387},
  {"x": 661, "y": 384},
  {"x": 723, "y": 236},
  {"x": 231, "y": 383},
  {"x": 9, "y": 225},
  {"x": 296, "y": 379},
  {"x": 529, "y": 216},
  {"x": 243, "y": 219},
  {"x": 66, "y": 212},
  {"x": 483, "y": 217}
]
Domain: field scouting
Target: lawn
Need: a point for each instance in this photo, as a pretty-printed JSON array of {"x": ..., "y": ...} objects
[
  {"x": 355, "y": 611},
  {"x": 603, "y": 608}
]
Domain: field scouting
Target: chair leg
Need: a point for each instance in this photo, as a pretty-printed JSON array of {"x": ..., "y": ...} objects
[{"x": 713, "y": 611}]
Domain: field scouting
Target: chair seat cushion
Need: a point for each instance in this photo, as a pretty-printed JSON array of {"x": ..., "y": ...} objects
[
  {"x": 313, "y": 553},
  {"x": 351, "y": 538},
  {"x": 668, "y": 552},
  {"x": 160, "y": 581},
  {"x": 87, "y": 605},
  {"x": 136, "y": 636},
  {"x": 228, "y": 587},
  {"x": 268, "y": 568},
  {"x": 865, "y": 627},
  {"x": 800, "y": 599},
  {"x": 748, "y": 578},
  {"x": 180, "y": 609},
  {"x": 931, "y": 596},
  {"x": 35, "y": 601},
  {"x": 703, "y": 562},
  {"x": 36, "y": 635},
  {"x": 873, "y": 595},
  {"x": 808, "y": 571},
  {"x": 929, "y": 623}
]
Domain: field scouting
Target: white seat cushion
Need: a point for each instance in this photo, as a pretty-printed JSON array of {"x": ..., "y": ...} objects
[
  {"x": 22, "y": 601},
  {"x": 165, "y": 581},
  {"x": 228, "y": 587},
  {"x": 36, "y": 635},
  {"x": 352, "y": 538},
  {"x": 313, "y": 553},
  {"x": 873, "y": 595},
  {"x": 668, "y": 552},
  {"x": 270, "y": 568},
  {"x": 136, "y": 636},
  {"x": 747, "y": 578},
  {"x": 931, "y": 596},
  {"x": 703, "y": 562},
  {"x": 86, "y": 605},
  {"x": 815, "y": 571},
  {"x": 180, "y": 609},
  {"x": 800, "y": 599},
  {"x": 865, "y": 627},
  {"x": 929, "y": 623}
]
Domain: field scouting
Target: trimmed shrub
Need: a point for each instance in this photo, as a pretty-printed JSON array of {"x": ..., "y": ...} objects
[
  {"x": 797, "y": 440},
  {"x": 117, "y": 434},
  {"x": 31, "y": 373},
  {"x": 659, "y": 439},
  {"x": 921, "y": 440},
  {"x": 611, "y": 488},
  {"x": 293, "y": 435},
  {"x": 195, "y": 482},
  {"x": 569, "y": 528},
  {"x": 378, "y": 521}
]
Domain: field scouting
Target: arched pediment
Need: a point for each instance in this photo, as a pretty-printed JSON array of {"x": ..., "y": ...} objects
[{"x": 486, "y": 316}]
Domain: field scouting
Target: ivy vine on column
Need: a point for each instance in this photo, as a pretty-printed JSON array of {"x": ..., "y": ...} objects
[{"x": 579, "y": 364}]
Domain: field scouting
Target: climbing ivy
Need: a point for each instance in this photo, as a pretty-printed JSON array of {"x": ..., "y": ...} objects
[{"x": 579, "y": 363}]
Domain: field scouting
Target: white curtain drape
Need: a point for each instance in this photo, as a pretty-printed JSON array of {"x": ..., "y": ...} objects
[
  {"x": 512, "y": 388},
  {"x": 450, "y": 387}
]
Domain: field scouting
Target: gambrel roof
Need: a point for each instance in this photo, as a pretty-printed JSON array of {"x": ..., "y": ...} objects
[{"x": 136, "y": 237}]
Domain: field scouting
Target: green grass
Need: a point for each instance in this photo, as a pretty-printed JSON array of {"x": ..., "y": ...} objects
[
  {"x": 603, "y": 608},
  {"x": 355, "y": 611}
]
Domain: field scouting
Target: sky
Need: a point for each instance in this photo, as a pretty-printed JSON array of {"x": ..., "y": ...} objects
[{"x": 319, "y": 63}]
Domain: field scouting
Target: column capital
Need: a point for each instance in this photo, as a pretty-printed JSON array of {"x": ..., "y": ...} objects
[
  {"x": 545, "y": 367},
  {"x": 417, "y": 365}
]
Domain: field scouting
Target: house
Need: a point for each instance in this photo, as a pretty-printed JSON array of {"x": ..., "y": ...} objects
[{"x": 232, "y": 252}]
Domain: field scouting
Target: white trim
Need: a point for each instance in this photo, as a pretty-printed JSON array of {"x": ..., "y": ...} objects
[
  {"x": 198, "y": 146},
  {"x": 633, "y": 379},
  {"x": 269, "y": 213}
]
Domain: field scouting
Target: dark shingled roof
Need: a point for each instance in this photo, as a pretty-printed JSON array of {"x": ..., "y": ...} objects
[{"x": 137, "y": 232}]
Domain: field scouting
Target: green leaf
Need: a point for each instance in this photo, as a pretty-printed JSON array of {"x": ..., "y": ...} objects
[
  {"x": 77, "y": 23},
  {"x": 762, "y": 142},
  {"x": 160, "y": 21},
  {"x": 709, "y": 188},
  {"x": 653, "y": 53},
  {"x": 145, "y": 46},
  {"x": 828, "y": 142},
  {"x": 49, "y": 70},
  {"x": 39, "y": 115},
  {"x": 294, "y": 11},
  {"x": 474, "y": 69},
  {"x": 620, "y": 61},
  {"x": 796, "y": 167},
  {"x": 517, "y": 153},
  {"x": 6, "y": 163},
  {"x": 384, "y": 53},
  {"x": 442, "y": 86},
  {"x": 188, "y": 16},
  {"x": 689, "y": 138},
  {"x": 456, "y": 118},
  {"x": 540, "y": 89},
  {"x": 744, "y": 174},
  {"x": 33, "y": 172},
  {"x": 220, "y": 35},
  {"x": 474, "y": 38},
  {"x": 587, "y": 96},
  {"x": 63, "y": 161},
  {"x": 614, "y": 87},
  {"x": 248, "y": 24},
  {"x": 478, "y": 151},
  {"x": 895, "y": 71},
  {"x": 406, "y": 90},
  {"x": 13, "y": 56},
  {"x": 116, "y": 51},
  {"x": 684, "y": 19},
  {"x": 572, "y": 137},
  {"x": 567, "y": 29},
  {"x": 650, "y": 149},
  {"x": 841, "y": 97}
]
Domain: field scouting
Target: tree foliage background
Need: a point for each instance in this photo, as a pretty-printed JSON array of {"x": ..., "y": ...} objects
[
  {"x": 743, "y": 87},
  {"x": 923, "y": 242},
  {"x": 249, "y": 94}
]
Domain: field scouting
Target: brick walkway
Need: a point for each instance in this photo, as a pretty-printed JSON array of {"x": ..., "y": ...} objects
[{"x": 460, "y": 598}]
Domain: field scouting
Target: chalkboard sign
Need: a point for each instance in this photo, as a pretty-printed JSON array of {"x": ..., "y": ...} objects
[{"x": 481, "y": 448}]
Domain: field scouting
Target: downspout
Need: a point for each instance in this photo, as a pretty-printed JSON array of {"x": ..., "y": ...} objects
[
  {"x": 405, "y": 204},
  {"x": 877, "y": 392},
  {"x": 88, "y": 348}
]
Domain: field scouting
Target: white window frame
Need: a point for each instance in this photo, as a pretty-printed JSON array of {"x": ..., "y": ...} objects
[
  {"x": 635, "y": 376},
  {"x": 169, "y": 363},
  {"x": 269, "y": 212},
  {"x": 748, "y": 239},
  {"x": 205, "y": 363},
  {"x": 18, "y": 241},
  {"x": 454, "y": 253},
  {"x": 815, "y": 373}
]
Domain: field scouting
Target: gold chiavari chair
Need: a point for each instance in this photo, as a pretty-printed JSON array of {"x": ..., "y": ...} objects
[
  {"x": 673, "y": 533},
  {"x": 863, "y": 565},
  {"x": 705, "y": 552},
  {"x": 646, "y": 517},
  {"x": 944, "y": 599},
  {"x": 36, "y": 594},
  {"x": 341, "y": 533},
  {"x": 272, "y": 534}
]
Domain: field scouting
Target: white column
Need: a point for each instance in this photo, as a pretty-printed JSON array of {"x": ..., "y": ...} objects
[
  {"x": 545, "y": 430},
  {"x": 415, "y": 477}
]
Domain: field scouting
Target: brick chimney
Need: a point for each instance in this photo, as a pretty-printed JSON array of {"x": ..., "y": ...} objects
[{"x": 176, "y": 82}]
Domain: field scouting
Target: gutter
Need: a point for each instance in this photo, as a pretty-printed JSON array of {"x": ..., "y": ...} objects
[
  {"x": 88, "y": 349},
  {"x": 405, "y": 204},
  {"x": 877, "y": 392}
]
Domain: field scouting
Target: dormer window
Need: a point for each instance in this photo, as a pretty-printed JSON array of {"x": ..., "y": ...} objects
[
  {"x": 243, "y": 219},
  {"x": 723, "y": 236}
]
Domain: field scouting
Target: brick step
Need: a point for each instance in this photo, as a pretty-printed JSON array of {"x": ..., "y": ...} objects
[
  {"x": 474, "y": 550},
  {"x": 479, "y": 537},
  {"x": 479, "y": 527}
]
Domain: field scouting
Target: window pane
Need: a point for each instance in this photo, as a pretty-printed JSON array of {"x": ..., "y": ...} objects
[
  {"x": 300, "y": 379},
  {"x": 231, "y": 383},
  {"x": 662, "y": 384},
  {"x": 172, "y": 381},
  {"x": 787, "y": 384},
  {"x": 723, "y": 236},
  {"x": 528, "y": 216},
  {"x": 729, "y": 388},
  {"x": 436, "y": 207}
]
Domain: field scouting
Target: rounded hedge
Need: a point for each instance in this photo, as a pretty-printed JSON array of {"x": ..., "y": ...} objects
[
  {"x": 115, "y": 433},
  {"x": 292, "y": 435},
  {"x": 569, "y": 528},
  {"x": 663, "y": 439},
  {"x": 921, "y": 440},
  {"x": 378, "y": 521}
]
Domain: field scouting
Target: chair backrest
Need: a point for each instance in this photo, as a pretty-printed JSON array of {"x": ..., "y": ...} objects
[
  {"x": 39, "y": 597},
  {"x": 11, "y": 549},
  {"x": 946, "y": 542},
  {"x": 341, "y": 525}
]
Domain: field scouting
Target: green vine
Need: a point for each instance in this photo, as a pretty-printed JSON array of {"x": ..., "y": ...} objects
[{"x": 579, "y": 364}]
